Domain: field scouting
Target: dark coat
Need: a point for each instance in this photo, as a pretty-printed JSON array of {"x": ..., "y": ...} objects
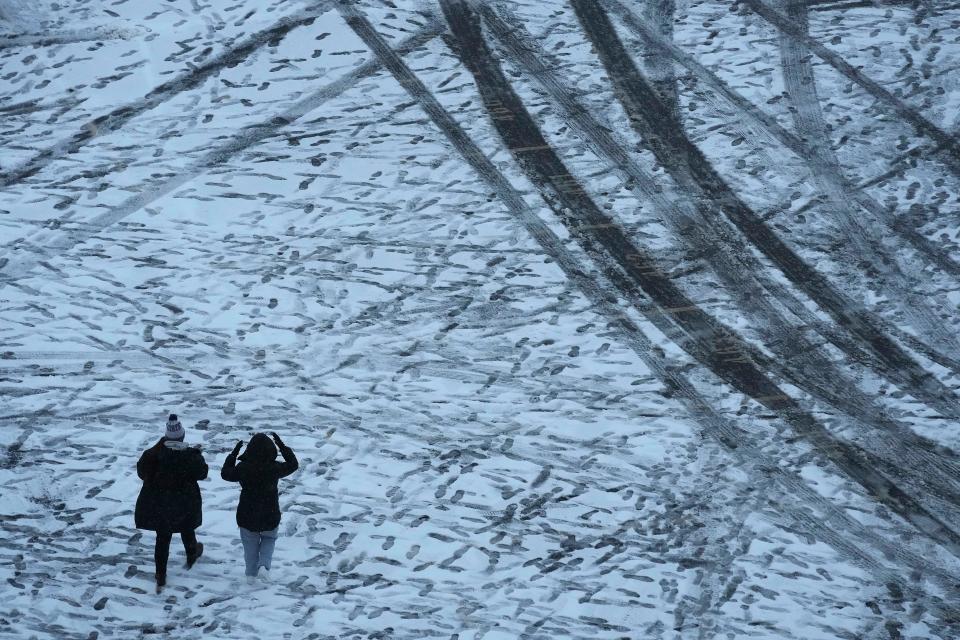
[
  {"x": 170, "y": 497},
  {"x": 258, "y": 473}
]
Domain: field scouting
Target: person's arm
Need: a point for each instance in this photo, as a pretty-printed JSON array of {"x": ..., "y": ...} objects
[
  {"x": 147, "y": 465},
  {"x": 200, "y": 468},
  {"x": 290, "y": 463},
  {"x": 229, "y": 470}
]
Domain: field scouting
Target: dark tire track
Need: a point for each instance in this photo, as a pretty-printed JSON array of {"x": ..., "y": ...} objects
[
  {"x": 693, "y": 173},
  {"x": 660, "y": 15},
  {"x": 705, "y": 339},
  {"x": 738, "y": 442},
  {"x": 949, "y": 144},
  {"x": 19, "y": 267},
  {"x": 120, "y": 116},
  {"x": 900, "y": 277},
  {"x": 796, "y": 358}
]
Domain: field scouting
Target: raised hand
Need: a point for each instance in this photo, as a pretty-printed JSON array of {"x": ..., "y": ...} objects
[
  {"x": 237, "y": 447},
  {"x": 277, "y": 439}
]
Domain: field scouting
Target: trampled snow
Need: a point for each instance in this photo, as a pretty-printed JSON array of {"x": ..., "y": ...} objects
[{"x": 253, "y": 215}]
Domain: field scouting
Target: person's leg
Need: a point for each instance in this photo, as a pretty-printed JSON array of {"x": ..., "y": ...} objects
[
  {"x": 189, "y": 539},
  {"x": 268, "y": 540},
  {"x": 193, "y": 548},
  {"x": 251, "y": 549},
  {"x": 161, "y": 551}
]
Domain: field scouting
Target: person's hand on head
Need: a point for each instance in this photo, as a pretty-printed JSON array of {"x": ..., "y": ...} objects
[
  {"x": 238, "y": 446},
  {"x": 276, "y": 438}
]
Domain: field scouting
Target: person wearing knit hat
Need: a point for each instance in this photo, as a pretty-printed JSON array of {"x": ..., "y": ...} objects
[
  {"x": 174, "y": 429},
  {"x": 170, "y": 501}
]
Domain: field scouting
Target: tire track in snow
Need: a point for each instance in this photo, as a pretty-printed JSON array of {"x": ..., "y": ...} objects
[
  {"x": 660, "y": 15},
  {"x": 93, "y": 34},
  {"x": 701, "y": 336},
  {"x": 120, "y": 116},
  {"x": 17, "y": 267},
  {"x": 832, "y": 5},
  {"x": 736, "y": 441},
  {"x": 899, "y": 164},
  {"x": 694, "y": 174},
  {"x": 899, "y": 277},
  {"x": 948, "y": 144},
  {"x": 796, "y": 359}
]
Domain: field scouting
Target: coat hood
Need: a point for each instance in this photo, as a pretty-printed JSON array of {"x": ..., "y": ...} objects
[{"x": 261, "y": 449}]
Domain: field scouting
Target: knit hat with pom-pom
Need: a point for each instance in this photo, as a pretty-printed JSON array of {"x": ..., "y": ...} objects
[{"x": 174, "y": 429}]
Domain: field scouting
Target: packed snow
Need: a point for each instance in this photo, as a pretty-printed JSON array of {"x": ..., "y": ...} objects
[{"x": 309, "y": 218}]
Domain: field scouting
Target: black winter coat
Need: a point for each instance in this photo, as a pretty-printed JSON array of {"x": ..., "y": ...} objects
[
  {"x": 258, "y": 473},
  {"x": 170, "y": 497}
]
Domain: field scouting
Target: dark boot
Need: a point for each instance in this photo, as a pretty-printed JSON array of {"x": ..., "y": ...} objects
[
  {"x": 193, "y": 548},
  {"x": 192, "y": 558},
  {"x": 161, "y": 582}
]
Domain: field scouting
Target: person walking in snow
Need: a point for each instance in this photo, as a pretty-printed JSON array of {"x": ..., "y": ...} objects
[
  {"x": 258, "y": 513},
  {"x": 169, "y": 501}
]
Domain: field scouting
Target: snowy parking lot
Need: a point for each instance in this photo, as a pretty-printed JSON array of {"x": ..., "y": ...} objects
[{"x": 585, "y": 318}]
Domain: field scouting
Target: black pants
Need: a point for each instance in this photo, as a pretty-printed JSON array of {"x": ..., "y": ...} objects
[{"x": 162, "y": 551}]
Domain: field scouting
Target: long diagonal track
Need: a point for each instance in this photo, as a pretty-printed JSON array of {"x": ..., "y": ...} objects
[
  {"x": 948, "y": 145},
  {"x": 693, "y": 173},
  {"x": 197, "y": 75},
  {"x": 22, "y": 265},
  {"x": 731, "y": 437},
  {"x": 795, "y": 358},
  {"x": 596, "y": 232}
]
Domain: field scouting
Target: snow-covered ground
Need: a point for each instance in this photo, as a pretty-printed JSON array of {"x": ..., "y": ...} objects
[{"x": 585, "y": 319}]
